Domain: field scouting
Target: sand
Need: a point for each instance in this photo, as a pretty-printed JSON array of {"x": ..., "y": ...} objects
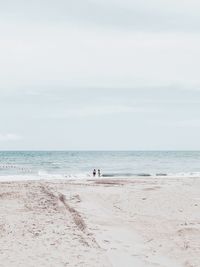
[{"x": 152, "y": 222}]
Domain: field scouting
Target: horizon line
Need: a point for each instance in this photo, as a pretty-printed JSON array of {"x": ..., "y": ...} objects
[{"x": 96, "y": 150}]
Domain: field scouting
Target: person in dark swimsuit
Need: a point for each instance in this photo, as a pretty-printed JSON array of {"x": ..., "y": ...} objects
[{"x": 94, "y": 173}]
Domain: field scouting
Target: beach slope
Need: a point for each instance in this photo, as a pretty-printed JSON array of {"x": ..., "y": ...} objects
[{"x": 104, "y": 222}]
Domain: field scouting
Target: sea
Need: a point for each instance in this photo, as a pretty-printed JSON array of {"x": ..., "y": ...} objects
[{"x": 23, "y": 165}]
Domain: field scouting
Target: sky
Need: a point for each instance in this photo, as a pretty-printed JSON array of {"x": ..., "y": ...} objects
[{"x": 99, "y": 75}]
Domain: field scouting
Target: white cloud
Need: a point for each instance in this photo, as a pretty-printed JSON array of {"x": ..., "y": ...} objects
[
  {"x": 96, "y": 111},
  {"x": 133, "y": 15},
  {"x": 64, "y": 56},
  {"x": 193, "y": 123},
  {"x": 9, "y": 137}
]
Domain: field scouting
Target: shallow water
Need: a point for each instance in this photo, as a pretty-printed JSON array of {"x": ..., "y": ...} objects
[{"x": 112, "y": 163}]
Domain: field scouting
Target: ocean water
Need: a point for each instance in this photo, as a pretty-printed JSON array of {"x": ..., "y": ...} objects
[{"x": 80, "y": 164}]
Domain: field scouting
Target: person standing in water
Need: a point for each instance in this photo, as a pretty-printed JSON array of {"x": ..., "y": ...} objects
[
  {"x": 94, "y": 173},
  {"x": 99, "y": 172}
]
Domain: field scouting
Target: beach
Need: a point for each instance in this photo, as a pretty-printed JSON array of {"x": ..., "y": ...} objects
[{"x": 147, "y": 221}]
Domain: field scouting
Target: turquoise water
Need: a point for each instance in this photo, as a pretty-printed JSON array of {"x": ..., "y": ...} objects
[{"x": 113, "y": 163}]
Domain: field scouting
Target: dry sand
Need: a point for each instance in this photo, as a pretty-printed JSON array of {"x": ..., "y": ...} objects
[{"x": 152, "y": 222}]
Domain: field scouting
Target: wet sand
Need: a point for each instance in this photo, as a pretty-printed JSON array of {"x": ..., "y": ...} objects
[{"x": 152, "y": 222}]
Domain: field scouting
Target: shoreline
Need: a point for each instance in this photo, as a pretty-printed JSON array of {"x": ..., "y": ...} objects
[
  {"x": 52, "y": 178},
  {"x": 148, "y": 221}
]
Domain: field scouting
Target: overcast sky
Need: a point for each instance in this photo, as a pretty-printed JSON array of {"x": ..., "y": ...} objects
[{"x": 99, "y": 74}]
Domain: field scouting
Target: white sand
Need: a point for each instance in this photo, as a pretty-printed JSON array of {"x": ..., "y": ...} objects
[{"x": 152, "y": 222}]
